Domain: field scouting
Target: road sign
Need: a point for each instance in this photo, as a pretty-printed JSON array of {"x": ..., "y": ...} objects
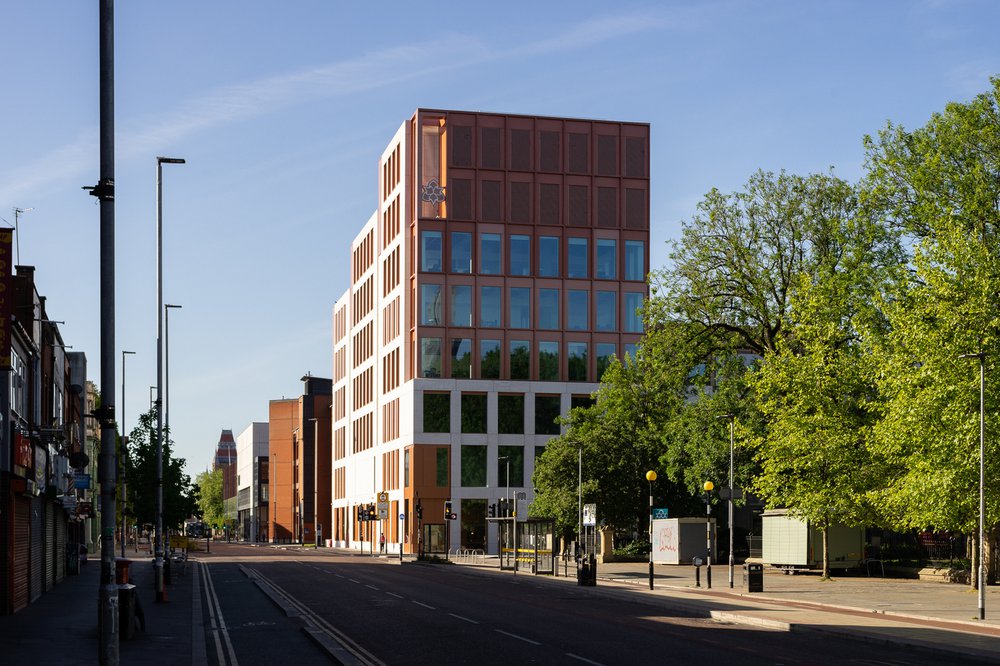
[
  {"x": 383, "y": 505},
  {"x": 402, "y": 516},
  {"x": 590, "y": 515},
  {"x": 660, "y": 513}
]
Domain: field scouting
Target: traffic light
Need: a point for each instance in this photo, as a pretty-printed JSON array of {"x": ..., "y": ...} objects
[
  {"x": 493, "y": 510},
  {"x": 447, "y": 510},
  {"x": 420, "y": 512},
  {"x": 371, "y": 512},
  {"x": 361, "y": 513}
]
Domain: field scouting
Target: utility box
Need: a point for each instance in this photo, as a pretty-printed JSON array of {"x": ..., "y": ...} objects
[
  {"x": 791, "y": 543},
  {"x": 680, "y": 540}
]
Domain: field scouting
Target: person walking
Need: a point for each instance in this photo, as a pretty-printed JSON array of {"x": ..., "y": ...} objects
[{"x": 381, "y": 543}]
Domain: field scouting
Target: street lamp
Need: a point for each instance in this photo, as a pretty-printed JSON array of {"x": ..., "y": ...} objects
[
  {"x": 982, "y": 498},
  {"x": 507, "y": 501},
  {"x": 166, "y": 363},
  {"x": 732, "y": 419},
  {"x": 124, "y": 451},
  {"x": 158, "y": 561},
  {"x": 709, "y": 486},
  {"x": 651, "y": 476}
]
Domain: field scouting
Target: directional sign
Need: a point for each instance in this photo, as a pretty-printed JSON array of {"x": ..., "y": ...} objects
[
  {"x": 383, "y": 505},
  {"x": 590, "y": 515},
  {"x": 660, "y": 513}
]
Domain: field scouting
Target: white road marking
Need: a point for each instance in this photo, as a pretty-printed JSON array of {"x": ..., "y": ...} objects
[
  {"x": 583, "y": 659},
  {"x": 424, "y": 605},
  {"x": 463, "y": 618},
  {"x": 372, "y": 587},
  {"x": 398, "y": 596},
  {"x": 520, "y": 638},
  {"x": 354, "y": 581}
]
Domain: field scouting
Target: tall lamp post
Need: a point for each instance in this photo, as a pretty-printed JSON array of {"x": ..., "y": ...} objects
[
  {"x": 166, "y": 364},
  {"x": 982, "y": 497},
  {"x": 124, "y": 452},
  {"x": 709, "y": 486},
  {"x": 158, "y": 561},
  {"x": 507, "y": 500},
  {"x": 651, "y": 476},
  {"x": 732, "y": 490}
]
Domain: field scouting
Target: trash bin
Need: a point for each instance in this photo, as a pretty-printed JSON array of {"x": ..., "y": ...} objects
[
  {"x": 72, "y": 558},
  {"x": 121, "y": 570},
  {"x": 586, "y": 571},
  {"x": 126, "y": 610},
  {"x": 754, "y": 573}
]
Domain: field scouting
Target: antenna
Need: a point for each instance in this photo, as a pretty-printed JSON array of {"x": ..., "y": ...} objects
[{"x": 18, "y": 212}]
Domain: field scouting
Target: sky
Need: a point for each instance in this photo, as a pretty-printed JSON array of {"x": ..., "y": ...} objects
[{"x": 281, "y": 111}]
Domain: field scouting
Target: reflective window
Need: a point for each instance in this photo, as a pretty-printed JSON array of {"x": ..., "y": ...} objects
[
  {"x": 432, "y": 183},
  {"x": 546, "y": 413},
  {"x": 576, "y": 359},
  {"x": 520, "y": 307},
  {"x": 577, "y": 310},
  {"x": 633, "y": 321},
  {"x": 520, "y": 359},
  {"x": 461, "y": 252},
  {"x": 437, "y": 414},
  {"x": 489, "y": 359},
  {"x": 430, "y": 305},
  {"x": 512, "y": 458},
  {"x": 548, "y": 256},
  {"x": 489, "y": 307},
  {"x": 430, "y": 357},
  {"x": 605, "y": 352},
  {"x": 548, "y": 361},
  {"x": 607, "y": 310},
  {"x": 635, "y": 259},
  {"x": 607, "y": 259},
  {"x": 489, "y": 254},
  {"x": 461, "y": 305},
  {"x": 548, "y": 309},
  {"x": 510, "y": 414},
  {"x": 461, "y": 358},
  {"x": 473, "y": 465},
  {"x": 576, "y": 258},
  {"x": 474, "y": 412},
  {"x": 520, "y": 255},
  {"x": 430, "y": 251},
  {"x": 631, "y": 349}
]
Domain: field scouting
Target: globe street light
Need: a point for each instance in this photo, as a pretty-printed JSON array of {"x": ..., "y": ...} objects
[
  {"x": 651, "y": 476},
  {"x": 982, "y": 498},
  {"x": 709, "y": 486},
  {"x": 732, "y": 490},
  {"x": 124, "y": 462}
]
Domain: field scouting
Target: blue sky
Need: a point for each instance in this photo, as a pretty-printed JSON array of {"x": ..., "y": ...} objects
[{"x": 282, "y": 109}]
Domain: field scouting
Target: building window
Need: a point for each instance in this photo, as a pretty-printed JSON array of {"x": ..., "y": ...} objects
[
  {"x": 441, "y": 477},
  {"x": 512, "y": 457},
  {"x": 461, "y": 305},
  {"x": 430, "y": 304},
  {"x": 576, "y": 259},
  {"x": 546, "y": 413},
  {"x": 489, "y": 254},
  {"x": 605, "y": 352},
  {"x": 607, "y": 259},
  {"x": 606, "y": 311},
  {"x": 474, "y": 413},
  {"x": 406, "y": 468},
  {"x": 633, "y": 320},
  {"x": 489, "y": 307},
  {"x": 520, "y": 359},
  {"x": 437, "y": 412},
  {"x": 461, "y": 252},
  {"x": 578, "y": 310},
  {"x": 520, "y": 255},
  {"x": 581, "y": 402},
  {"x": 548, "y": 309},
  {"x": 548, "y": 361},
  {"x": 510, "y": 414},
  {"x": 461, "y": 358},
  {"x": 635, "y": 259},
  {"x": 432, "y": 183},
  {"x": 489, "y": 359},
  {"x": 520, "y": 307},
  {"x": 548, "y": 256},
  {"x": 474, "y": 524},
  {"x": 473, "y": 466},
  {"x": 631, "y": 349},
  {"x": 430, "y": 357},
  {"x": 430, "y": 251},
  {"x": 576, "y": 357}
]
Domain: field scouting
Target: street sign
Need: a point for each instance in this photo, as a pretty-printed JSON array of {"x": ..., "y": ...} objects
[
  {"x": 590, "y": 515},
  {"x": 402, "y": 516},
  {"x": 660, "y": 513},
  {"x": 383, "y": 505}
]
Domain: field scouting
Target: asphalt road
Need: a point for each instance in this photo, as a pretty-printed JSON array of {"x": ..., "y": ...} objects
[{"x": 372, "y": 612}]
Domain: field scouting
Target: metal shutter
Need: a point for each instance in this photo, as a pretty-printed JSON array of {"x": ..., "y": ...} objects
[
  {"x": 20, "y": 568},
  {"x": 50, "y": 546},
  {"x": 37, "y": 547},
  {"x": 60, "y": 542}
]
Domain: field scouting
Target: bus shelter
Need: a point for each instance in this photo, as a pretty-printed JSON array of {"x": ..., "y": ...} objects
[{"x": 528, "y": 546}]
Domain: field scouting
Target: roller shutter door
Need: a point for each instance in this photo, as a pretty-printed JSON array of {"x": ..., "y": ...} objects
[
  {"x": 60, "y": 543},
  {"x": 37, "y": 547},
  {"x": 50, "y": 546},
  {"x": 22, "y": 553}
]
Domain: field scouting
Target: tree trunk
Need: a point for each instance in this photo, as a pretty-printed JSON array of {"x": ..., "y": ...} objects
[{"x": 826, "y": 552}]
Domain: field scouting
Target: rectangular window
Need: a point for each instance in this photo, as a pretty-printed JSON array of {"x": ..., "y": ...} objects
[
  {"x": 489, "y": 254},
  {"x": 633, "y": 321},
  {"x": 489, "y": 307},
  {"x": 461, "y": 252},
  {"x": 510, "y": 457},
  {"x": 520, "y": 307},
  {"x": 441, "y": 477},
  {"x": 548, "y": 256},
  {"x": 406, "y": 468},
  {"x": 546, "y": 413},
  {"x": 548, "y": 361},
  {"x": 631, "y": 349},
  {"x": 461, "y": 305},
  {"x": 605, "y": 352},
  {"x": 474, "y": 413},
  {"x": 520, "y": 255},
  {"x": 581, "y": 402},
  {"x": 510, "y": 414},
  {"x": 473, "y": 536},
  {"x": 489, "y": 359},
  {"x": 430, "y": 251},
  {"x": 635, "y": 260},
  {"x": 430, "y": 305},
  {"x": 520, "y": 359},
  {"x": 461, "y": 358},
  {"x": 473, "y": 466},
  {"x": 437, "y": 412},
  {"x": 578, "y": 310},
  {"x": 432, "y": 183},
  {"x": 576, "y": 358},
  {"x": 430, "y": 357},
  {"x": 607, "y": 310},
  {"x": 576, "y": 259},
  {"x": 607, "y": 259},
  {"x": 548, "y": 309}
]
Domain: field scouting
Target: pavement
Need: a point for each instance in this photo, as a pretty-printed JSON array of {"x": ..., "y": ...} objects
[{"x": 931, "y": 616}]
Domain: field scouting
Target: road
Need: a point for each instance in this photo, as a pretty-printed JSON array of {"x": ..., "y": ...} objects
[{"x": 377, "y": 612}]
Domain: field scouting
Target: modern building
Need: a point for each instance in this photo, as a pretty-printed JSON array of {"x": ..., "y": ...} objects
[
  {"x": 500, "y": 272},
  {"x": 251, "y": 483},
  {"x": 225, "y": 460}
]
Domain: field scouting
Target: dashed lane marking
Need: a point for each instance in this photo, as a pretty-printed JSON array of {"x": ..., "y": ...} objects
[
  {"x": 463, "y": 618},
  {"x": 424, "y": 605},
  {"x": 520, "y": 638}
]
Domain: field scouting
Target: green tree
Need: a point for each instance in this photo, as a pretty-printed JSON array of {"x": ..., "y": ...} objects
[
  {"x": 210, "y": 502},
  {"x": 178, "y": 503}
]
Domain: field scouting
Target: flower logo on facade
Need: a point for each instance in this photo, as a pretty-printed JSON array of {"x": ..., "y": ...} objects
[{"x": 432, "y": 193}]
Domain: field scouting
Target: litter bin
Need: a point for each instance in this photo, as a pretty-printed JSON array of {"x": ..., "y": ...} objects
[
  {"x": 121, "y": 570},
  {"x": 126, "y": 610},
  {"x": 754, "y": 573},
  {"x": 586, "y": 571}
]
